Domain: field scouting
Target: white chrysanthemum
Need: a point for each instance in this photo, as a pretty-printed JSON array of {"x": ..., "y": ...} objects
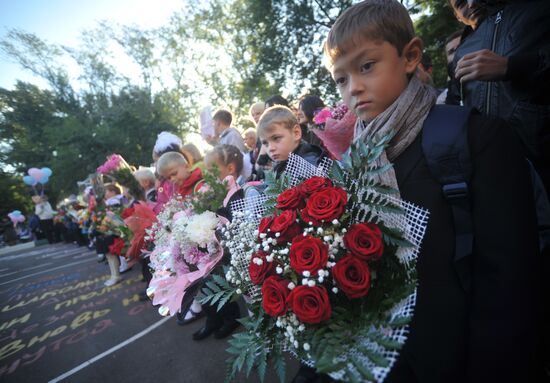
[{"x": 200, "y": 228}]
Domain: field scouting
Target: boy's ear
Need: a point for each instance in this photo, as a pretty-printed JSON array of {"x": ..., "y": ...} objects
[
  {"x": 297, "y": 132},
  {"x": 413, "y": 54}
]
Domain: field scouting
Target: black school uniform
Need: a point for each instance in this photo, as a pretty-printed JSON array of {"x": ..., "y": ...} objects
[{"x": 489, "y": 333}]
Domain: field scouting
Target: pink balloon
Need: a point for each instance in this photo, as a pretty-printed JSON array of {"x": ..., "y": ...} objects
[
  {"x": 36, "y": 174},
  {"x": 21, "y": 218}
]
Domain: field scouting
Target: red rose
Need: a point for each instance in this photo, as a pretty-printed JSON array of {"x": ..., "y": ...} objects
[
  {"x": 274, "y": 295},
  {"x": 285, "y": 224},
  {"x": 265, "y": 224},
  {"x": 314, "y": 184},
  {"x": 116, "y": 247},
  {"x": 364, "y": 240},
  {"x": 310, "y": 304},
  {"x": 259, "y": 272},
  {"x": 128, "y": 212},
  {"x": 308, "y": 254},
  {"x": 325, "y": 206},
  {"x": 291, "y": 199},
  {"x": 352, "y": 276}
]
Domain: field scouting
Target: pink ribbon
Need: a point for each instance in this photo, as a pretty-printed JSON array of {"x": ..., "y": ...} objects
[{"x": 233, "y": 187}]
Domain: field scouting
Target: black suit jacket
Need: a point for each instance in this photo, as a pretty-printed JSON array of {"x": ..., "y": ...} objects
[{"x": 487, "y": 334}]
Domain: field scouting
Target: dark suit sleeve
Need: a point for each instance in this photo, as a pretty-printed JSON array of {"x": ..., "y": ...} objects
[{"x": 503, "y": 315}]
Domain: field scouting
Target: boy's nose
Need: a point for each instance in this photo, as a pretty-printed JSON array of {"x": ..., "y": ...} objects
[{"x": 355, "y": 85}]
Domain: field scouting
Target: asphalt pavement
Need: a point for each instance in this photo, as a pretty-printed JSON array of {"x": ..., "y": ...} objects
[{"x": 59, "y": 323}]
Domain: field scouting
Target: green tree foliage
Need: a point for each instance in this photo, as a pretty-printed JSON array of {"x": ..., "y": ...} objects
[
  {"x": 71, "y": 131},
  {"x": 14, "y": 195},
  {"x": 275, "y": 46},
  {"x": 221, "y": 52},
  {"x": 436, "y": 23}
]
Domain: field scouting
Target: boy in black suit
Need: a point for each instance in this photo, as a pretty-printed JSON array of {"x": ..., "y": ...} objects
[{"x": 485, "y": 329}]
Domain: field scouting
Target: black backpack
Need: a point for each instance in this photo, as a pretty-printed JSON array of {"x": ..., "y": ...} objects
[{"x": 447, "y": 153}]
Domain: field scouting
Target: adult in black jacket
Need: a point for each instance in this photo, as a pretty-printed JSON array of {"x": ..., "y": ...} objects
[
  {"x": 503, "y": 70},
  {"x": 488, "y": 333}
]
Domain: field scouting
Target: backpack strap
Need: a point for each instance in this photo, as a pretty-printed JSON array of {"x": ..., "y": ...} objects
[{"x": 445, "y": 147}]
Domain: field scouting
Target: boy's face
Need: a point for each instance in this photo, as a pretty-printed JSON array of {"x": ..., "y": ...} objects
[
  {"x": 281, "y": 141},
  {"x": 219, "y": 126},
  {"x": 176, "y": 173},
  {"x": 371, "y": 75},
  {"x": 250, "y": 140}
]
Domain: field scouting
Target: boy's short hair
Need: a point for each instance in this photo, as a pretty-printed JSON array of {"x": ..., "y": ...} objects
[
  {"x": 170, "y": 159},
  {"x": 145, "y": 175},
  {"x": 382, "y": 20},
  {"x": 114, "y": 188},
  {"x": 276, "y": 115},
  {"x": 224, "y": 116}
]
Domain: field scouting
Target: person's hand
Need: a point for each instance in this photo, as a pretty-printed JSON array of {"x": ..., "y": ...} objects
[
  {"x": 212, "y": 140},
  {"x": 483, "y": 65}
]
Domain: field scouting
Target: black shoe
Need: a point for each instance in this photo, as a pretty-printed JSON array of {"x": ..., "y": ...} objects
[
  {"x": 180, "y": 317},
  {"x": 205, "y": 332},
  {"x": 226, "y": 330}
]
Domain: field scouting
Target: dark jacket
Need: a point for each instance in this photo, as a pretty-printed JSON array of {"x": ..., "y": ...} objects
[
  {"x": 489, "y": 333},
  {"x": 225, "y": 211},
  {"x": 311, "y": 153},
  {"x": 519, "y": 31}
]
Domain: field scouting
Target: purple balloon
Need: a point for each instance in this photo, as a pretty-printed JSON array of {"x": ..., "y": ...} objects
[{"x": 36, "y": 174}]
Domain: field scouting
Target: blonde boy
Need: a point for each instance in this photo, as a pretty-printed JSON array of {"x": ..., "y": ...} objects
[{"x": 173, "y": 166}]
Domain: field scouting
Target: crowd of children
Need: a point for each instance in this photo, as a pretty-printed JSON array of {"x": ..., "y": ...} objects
[{"x": 479, "y": 306}]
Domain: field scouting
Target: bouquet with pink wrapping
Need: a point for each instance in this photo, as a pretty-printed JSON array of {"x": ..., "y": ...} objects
[
  {"x": 186, "y": 250},
  {"x": 335, "y": 129}
]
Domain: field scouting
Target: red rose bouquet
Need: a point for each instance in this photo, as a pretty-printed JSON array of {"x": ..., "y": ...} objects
[
  {"x": 117, "y": 247},
  {"x": 329, "y": 273}
]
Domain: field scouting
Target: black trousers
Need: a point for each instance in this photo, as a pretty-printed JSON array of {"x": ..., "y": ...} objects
[
  {"x": 229, "y": 313},
  {"x": 103, "y": 242},
  {"x": 46, "y": 226},
  {"x": 145, "y": 270}
]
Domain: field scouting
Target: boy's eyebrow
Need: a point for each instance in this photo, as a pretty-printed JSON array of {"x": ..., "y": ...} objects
[{"x": 358, "y": 54}]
